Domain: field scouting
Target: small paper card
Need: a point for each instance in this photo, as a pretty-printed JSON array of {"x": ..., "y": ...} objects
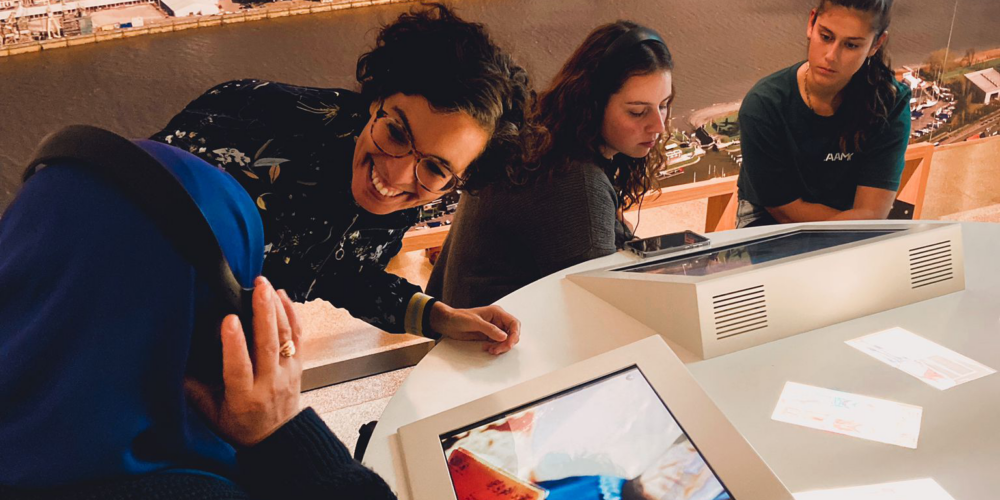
[
  {"x": 932, "y": 363},
  {"x": 917, "y": 489},
  {"x": 849, "y": 414}
]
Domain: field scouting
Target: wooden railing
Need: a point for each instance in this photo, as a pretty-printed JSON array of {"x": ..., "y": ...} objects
[
  {"x": 419, "y": 239},
  {"x": 721, "y": 194},
  {"x": 913, "y": 183},
  {"x": 963, "y": 182}
]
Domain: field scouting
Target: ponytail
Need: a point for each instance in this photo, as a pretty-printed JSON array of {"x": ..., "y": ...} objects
[
  {"x": 869, "y": 96},
  {"x": 868, "y": 100}
]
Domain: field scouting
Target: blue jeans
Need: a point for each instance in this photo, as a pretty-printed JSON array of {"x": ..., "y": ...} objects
[{"x": 750, "y": 215}]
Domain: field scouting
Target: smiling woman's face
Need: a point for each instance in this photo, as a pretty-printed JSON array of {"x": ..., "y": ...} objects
[{"x": 383, "y": 184}]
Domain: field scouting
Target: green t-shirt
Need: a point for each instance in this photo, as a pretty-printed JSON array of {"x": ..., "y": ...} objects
[{"x": 790, "y": 152}]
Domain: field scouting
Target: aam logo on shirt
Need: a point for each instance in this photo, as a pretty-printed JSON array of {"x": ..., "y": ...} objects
[{"x": 839, "y": 156}]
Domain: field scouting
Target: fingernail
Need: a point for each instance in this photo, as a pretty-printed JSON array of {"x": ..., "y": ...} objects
[{"x": 231, "y": 324}]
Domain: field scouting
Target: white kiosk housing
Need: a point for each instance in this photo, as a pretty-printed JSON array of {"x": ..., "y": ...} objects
[{"x": 718, "y": 300}]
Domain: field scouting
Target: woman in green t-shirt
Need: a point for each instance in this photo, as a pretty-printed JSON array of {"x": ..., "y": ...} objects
[{"x": 825, "y": 138}]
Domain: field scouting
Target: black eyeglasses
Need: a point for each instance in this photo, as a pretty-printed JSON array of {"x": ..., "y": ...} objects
[{"x": 393, "y": 138}]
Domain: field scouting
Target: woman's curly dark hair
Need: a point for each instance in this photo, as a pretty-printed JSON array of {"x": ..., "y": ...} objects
[
  {"x": 570, "y": 113},
  {"x": 456, "y": 66}
]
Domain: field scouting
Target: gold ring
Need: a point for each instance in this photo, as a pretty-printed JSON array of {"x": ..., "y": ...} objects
[{"x": 287, "y": 349}]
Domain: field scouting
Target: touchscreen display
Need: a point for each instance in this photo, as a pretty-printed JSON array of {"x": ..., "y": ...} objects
[
  {"x": 755, "y": 252},
  {"x": 610, "y": 438}
]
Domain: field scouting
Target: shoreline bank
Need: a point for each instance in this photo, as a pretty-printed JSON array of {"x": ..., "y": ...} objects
[
  {"x": 269, "y": 11},
  {"x": 700, "y": 117}
]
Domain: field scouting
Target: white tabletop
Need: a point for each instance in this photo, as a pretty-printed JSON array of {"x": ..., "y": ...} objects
[{"x": 562, "y": 323}]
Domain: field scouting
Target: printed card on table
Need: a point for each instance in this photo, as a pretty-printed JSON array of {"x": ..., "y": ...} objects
[
  {"x": 917, "y": 489},
  {"x": 849, "y": 414},
  {"x": 932, "y": 363}
]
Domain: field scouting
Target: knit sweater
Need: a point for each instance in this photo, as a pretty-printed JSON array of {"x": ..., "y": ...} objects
[
  {"x": 301, "y": 460},
  {"x": 506, "y": 237}
]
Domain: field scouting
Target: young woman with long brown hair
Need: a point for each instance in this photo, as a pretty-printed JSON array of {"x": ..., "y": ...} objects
[
  {"x": 824, "y": 139},
  {"x": 600, "y": 132}
]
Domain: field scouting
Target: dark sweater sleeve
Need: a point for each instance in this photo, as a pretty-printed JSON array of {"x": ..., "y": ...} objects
[
  {"x": 304, "y": 460},
  {"x": 573, "y": 218},
  {"x": 167, "y": 485}
]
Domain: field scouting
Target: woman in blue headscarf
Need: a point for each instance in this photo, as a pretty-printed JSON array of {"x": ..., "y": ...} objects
[{"x": 98, "y": 313}]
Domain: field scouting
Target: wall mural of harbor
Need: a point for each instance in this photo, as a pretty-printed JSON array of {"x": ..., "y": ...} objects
[{"x": 134, "y": 84}]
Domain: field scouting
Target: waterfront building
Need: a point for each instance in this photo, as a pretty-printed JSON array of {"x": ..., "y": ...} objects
[
  {"x": 986, "y": 85},
  {"x": 183, "y": 8},
  {"x": 673, "y": 150},
  {"x": 910, "y": 78},
  {"x": 924, "y": 94},
  {"x": 38, "y": 10},
  {"x": 679, "y": 156},
  {"x": 37, "y": 20}
]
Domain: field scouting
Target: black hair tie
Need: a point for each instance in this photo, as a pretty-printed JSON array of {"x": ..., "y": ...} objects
[
  {"x": 629, "y": 39},
  {"x": 622, "y": 44}
]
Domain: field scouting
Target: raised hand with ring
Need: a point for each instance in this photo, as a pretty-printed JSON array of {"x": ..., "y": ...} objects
[{"x": 261, "y": 385}]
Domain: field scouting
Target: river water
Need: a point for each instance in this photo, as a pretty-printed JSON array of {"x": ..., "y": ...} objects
[{"x": 721, "y": 47}]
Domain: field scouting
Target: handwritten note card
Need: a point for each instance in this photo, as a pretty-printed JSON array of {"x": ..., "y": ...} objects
[
  {"x": 934, "y": 364},
  {"x": 849, "y": 414}
]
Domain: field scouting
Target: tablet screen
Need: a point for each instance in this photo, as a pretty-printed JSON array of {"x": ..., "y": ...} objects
[
  {"x": 755, "y": 252},
  {"x": 611, "y": 438}
]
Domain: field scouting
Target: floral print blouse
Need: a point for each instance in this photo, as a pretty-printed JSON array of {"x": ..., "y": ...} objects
[{"x": 292, "y": 148}]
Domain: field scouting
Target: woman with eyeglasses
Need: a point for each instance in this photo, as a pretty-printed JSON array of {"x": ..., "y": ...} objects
[
  {"x": 603, "y": 126},
  {"x": 338, "y": 176},
  {"x": 825, "y": 139}
]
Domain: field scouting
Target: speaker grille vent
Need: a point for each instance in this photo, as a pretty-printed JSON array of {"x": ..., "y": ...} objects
[
  {"x": 739, "y": 312},
  {"x": 931, "y": 264}
]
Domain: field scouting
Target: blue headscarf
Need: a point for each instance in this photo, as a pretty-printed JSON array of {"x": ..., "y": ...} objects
[{"x": 97, "y": 313}]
